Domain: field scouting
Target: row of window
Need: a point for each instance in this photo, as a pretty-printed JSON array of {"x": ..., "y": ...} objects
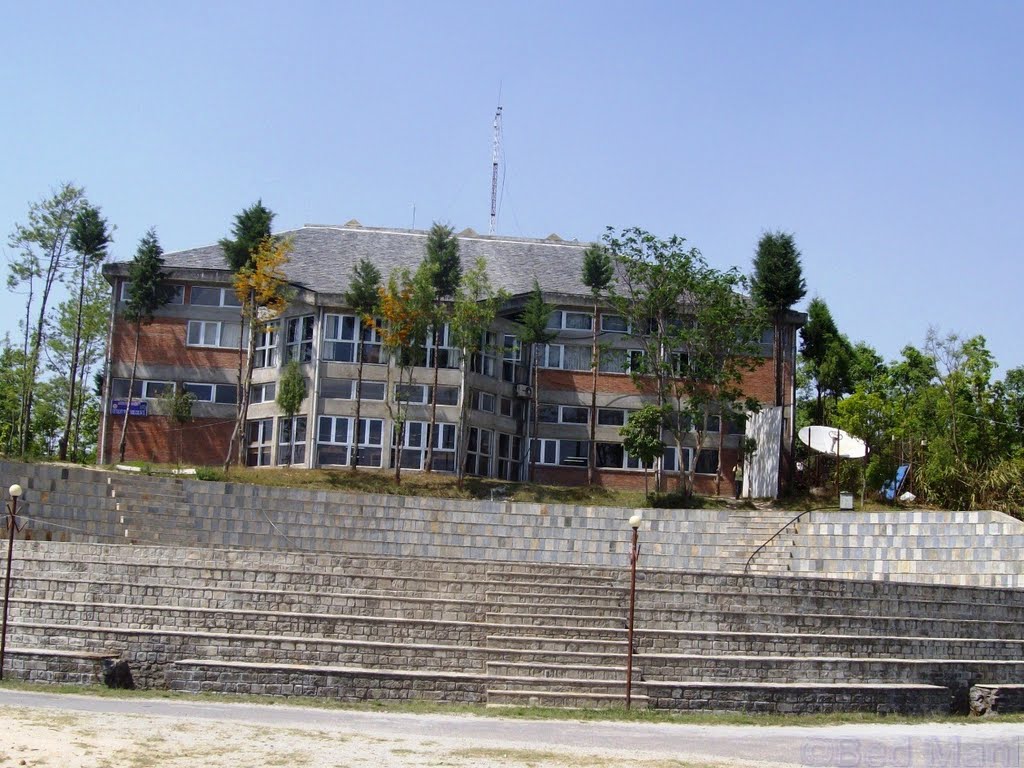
[
  {"x": 149, "y": 389},
  {"x": 576, "y": 453},
  {"x": 337, "y": 437}
]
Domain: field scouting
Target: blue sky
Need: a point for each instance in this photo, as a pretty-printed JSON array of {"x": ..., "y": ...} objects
[{"x": 885, "y": 136}]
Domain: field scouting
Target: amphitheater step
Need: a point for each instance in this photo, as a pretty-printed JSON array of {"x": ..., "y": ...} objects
[
  {"x": 58, "y": 666},
  {"x": 992, "y": 699},
  {"x": 503, "y": 697},
  {"x": 800, "y": 698},
  {"x": 561, "y": 673},
  {"x": 343, "y": 683}
]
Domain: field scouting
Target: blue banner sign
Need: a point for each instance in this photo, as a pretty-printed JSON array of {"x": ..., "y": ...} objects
[{"x": 139, "y": 408}]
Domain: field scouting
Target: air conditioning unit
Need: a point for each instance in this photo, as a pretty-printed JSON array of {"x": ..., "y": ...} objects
[{"x": 523, "y": 390}]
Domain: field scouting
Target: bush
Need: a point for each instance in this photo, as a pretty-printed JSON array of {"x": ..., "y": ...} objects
[
  {"x": 209, "y": 473},
  {"x": 677, "y": 499}
]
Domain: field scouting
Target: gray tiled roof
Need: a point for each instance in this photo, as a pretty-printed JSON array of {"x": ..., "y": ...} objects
[{"x": 323, "y": 257}]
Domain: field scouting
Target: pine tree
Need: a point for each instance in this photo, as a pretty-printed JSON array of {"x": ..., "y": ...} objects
[
  {"x": 363, "y": 298},
  {"x": 597, "y": 276},
  {"x": 446, "y": 270},
  {"x": 534, "y": 324},
  {"x": 777, "y": 284},
  {"x": 89, "y": 239},
  {"x": 147, "y": 292}
]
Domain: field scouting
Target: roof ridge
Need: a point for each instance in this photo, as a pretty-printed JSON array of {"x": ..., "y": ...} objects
[{"x": 574, "y": 243}]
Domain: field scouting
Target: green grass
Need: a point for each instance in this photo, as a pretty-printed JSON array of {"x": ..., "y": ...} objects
[{"x": 514, "y": 713}]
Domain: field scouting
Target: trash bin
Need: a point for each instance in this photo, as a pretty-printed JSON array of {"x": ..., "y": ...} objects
[{"x": 845, "y": 500}]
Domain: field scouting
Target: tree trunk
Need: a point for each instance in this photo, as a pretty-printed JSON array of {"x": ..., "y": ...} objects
[
  {"x": 353, "y": 448},
  {"x": 131, "y": 386},
  {"x": 433, "y": 412},
  {"x": 777, "y": 358},
  {"x": 594, "y": 362},
  {"x": 62, "y": 451}
]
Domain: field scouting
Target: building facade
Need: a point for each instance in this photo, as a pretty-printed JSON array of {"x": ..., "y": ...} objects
[{"x": 193, "y": 345}]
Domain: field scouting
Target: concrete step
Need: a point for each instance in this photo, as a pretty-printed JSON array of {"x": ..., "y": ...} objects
[
  {"x": 559, "y": 644},
  {"x": 337, "y": 682},
  {"x": 801, "y": 698},
  {"x": 562, "y": 620},
  {"x": 597, "y": 673},
  {"x": 526, "y": 697}
]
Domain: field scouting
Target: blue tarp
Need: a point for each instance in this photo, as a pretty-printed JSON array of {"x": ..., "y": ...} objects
[{"x": 892, "y": 488}]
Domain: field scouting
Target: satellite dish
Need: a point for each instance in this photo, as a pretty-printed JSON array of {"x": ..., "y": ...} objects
[{"x": 833, "y": 441}]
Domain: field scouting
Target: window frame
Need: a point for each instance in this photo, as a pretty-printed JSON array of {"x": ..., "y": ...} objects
[{"x": 225, "y": 295}]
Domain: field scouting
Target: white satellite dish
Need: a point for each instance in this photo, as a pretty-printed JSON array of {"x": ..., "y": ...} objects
[{"x": 833, "y": 441}]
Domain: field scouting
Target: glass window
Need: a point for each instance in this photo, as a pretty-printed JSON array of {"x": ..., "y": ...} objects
[
  {"x": 575, "y": 415},
  {"x": 614, "y": 324},
  {"x": 291, "y": 444},
  {"x": 547, "y": 414},
  {"x": 340, "y": 338},
  {"x": 208, "y": 296},
  {"x": 505, "y": 406},
  {"x": 211, "y": 333},
  {"x": 260, "y": 434},
  {"x": 446, "y": 395},
  {"x": 611, "y": 417},
  {"x": 263, "y": 393},
  {"x": 337, "y": 389},
  {"x": 613, "y": 361},
  {"x": 299, "y": 339},
  {"x": 707, "y": 462},
  {"x": 411, "y": 393},
  {"x": 266, "y": 347},
  {"x": 372, "y": 390},
  {"x": 512, "y": 350},
  {"x": 203, "y": 393}
]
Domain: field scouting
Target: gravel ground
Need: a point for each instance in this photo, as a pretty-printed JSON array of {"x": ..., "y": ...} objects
[{"x": 72, "y": 731}]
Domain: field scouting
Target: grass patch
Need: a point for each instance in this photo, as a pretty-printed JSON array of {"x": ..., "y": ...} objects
[{"x": 616, "y": 714}]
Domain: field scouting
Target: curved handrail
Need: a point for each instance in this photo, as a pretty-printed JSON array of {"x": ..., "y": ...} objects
[{"x": 779, "y": 533}]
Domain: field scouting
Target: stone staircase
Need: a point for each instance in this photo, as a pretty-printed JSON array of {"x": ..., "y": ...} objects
[
  {"x": 506, "y": 634},
  {"x": 748, "y": 530},
  {"x": 152, "y": 510},
  {"x": 568, "y": 634}
]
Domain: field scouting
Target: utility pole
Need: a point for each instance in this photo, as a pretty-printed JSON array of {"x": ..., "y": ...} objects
[{"x": 12, "y": 527}]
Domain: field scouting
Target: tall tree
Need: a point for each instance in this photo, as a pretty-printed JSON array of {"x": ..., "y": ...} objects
[
  {"x": 405, "y": 309},
  {"x": 42, "y": 246},
  {"x": 818, "y": 333},
  {"x": 89, "y": 238},
  {"x": 252, "y": 226},
  {"x": 262, "y": 290},
  {"x": 147, "y": 292},
  {"x": 475, "y": 307},
  {"x": 446, "y": 271},
  {"x": 697, "y": 334},
  {"x": 777, "y": 285},
  {"x": 533, "y": 324},
  {"x": 88, "y": 325},
  {"x": 597, "y": 276},
  {"x": 363, "y": 298},
  {"x": 641, "y": 437}
]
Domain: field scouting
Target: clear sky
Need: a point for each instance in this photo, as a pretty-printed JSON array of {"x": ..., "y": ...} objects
[{"x": 887, "y": 136}]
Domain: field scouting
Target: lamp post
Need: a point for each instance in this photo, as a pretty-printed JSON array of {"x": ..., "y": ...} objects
[
  {"x": 634, "y": 554},
  {"x": 12, "y": 521}
]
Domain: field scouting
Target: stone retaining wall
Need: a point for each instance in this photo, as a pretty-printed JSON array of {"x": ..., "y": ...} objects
[{"x": 64, "y": 503}]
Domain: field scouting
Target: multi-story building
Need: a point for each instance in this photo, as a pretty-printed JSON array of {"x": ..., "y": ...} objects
[{"x": 193, "y": 343}]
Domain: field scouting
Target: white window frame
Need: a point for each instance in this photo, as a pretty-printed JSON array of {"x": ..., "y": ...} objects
[
  {"x": 263, "y": 445},
  {"x": 293, "y": 349},
  {"x": 545, "y": 448},
  {"x": 227, "y": 297},
  {"x": 512, "y": 351},
  {"x": 218, "y": 326},
  {"x": 262, "y": 389},
  {"x": 214, "y": 389},
  {"x": 606, "y": 317},
  {"x": 177, "y": 298},
  {"x": 481, "y": 399},
  {"x": 422, "y": 399},
  {"x": 267, "y": 344},
  {"x": 559, "y": 321},
  {"x": 295, "y": 449},
  {"x": 351, "y": 341},
  {"x": 454, "y": 356},
  {"x": 479, "y": 460}
]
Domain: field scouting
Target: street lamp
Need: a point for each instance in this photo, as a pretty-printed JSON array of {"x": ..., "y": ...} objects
[
  {"x": 12, "y": 523},
  {"x": 634, "y": 554}
]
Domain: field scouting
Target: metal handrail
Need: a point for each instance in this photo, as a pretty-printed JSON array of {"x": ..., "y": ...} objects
[{"x": 779, "y": 533}]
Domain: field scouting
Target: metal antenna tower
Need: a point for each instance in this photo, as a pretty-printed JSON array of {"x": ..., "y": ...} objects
[{"x": 496, "y": 153}]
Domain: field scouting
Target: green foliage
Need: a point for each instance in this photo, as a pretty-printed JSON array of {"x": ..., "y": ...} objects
[
  {"x": 443, "y": 255},
  {"x": 89, "y": 234},
  {"x": 698, "y": 333},
  {"x": 597, "y": 269},
  {"x": 363, "y": 292},
  {"x": 210, "y": 474},
  {"x": 533, "y": 320},
  {"x": 179, "y": 405},
  {"x": 147, "y": 282},
  {"x": 251, "y": 227},
  {"x": 641, "y": 436},
  {"x": 291, "y": 389},
  {"x": 778, "y": 282}
]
